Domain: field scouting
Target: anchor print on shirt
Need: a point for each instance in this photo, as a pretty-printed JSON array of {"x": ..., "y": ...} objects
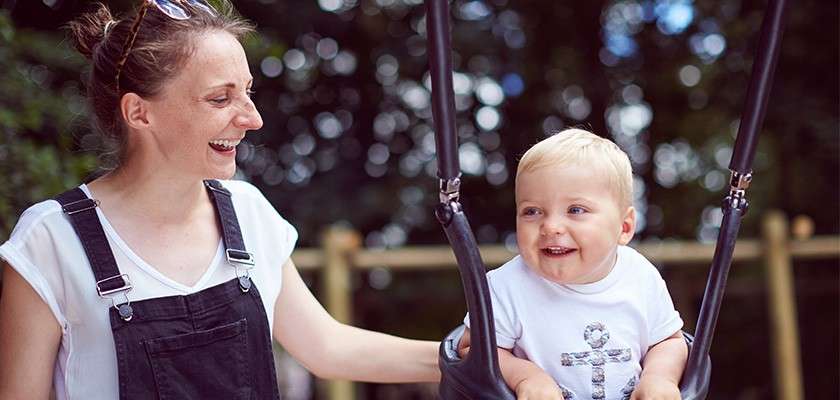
[
  {"x": 626, "y": 391},
  {"x": 596, "y": 335}
]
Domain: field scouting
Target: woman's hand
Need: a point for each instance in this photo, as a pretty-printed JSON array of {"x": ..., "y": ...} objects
[{"x": 654, "y": 387}]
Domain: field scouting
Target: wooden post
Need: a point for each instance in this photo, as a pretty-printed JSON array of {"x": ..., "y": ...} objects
[
  {"x": 787, "y": 362},
  {"x": 339, "y": 242}
]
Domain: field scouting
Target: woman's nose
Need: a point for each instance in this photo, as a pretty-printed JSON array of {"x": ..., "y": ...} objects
[{"x": 248, "y": 118}]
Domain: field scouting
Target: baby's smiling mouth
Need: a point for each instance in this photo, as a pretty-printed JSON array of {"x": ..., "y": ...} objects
[{"x": 557, "y": 251}]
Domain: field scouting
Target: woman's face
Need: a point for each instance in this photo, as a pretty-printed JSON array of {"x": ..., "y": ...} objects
[{"x": 204, "y": 111}]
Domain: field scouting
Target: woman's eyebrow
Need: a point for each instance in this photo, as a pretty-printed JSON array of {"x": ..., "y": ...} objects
[
  {"x": 231, "y": 85},
  {"x": 227, "y": 84}
]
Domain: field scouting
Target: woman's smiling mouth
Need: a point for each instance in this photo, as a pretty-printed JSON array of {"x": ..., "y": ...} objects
[{"x": 223, "y": 145}]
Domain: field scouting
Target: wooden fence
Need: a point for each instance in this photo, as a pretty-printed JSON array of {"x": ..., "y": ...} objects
[{"x": 342, "y": 254}]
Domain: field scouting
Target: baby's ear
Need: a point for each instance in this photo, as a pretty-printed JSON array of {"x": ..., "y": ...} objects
[{"x": 628, "y": 226}]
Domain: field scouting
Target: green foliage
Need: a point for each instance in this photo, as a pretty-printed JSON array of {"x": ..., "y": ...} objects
[{"x": 41, "y": 111}]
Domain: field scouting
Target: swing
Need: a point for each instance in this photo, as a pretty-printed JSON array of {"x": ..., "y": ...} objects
[{"x": 477, "y": 375}]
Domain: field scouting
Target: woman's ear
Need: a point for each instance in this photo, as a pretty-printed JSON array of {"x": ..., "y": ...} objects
[
  {"x": 628, "y": 226},
  {"x": 134, "y": 110}
]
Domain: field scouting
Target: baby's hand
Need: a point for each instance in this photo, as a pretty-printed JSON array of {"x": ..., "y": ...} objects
[
  {"x": 538, "y": 387},
  {"x": 652, "y": 387}
]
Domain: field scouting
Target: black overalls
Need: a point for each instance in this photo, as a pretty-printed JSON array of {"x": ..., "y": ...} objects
[{"x": 213, "y": 344}]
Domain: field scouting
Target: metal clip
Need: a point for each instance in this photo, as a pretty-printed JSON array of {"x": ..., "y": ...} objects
[
  {"x": 124, "y": 308},
  {"x": 68, "y": 208},
  {"x": 125, "y": 287},
  {"x": 240, "y": 257},
  {"x": 245, "y": 282}
]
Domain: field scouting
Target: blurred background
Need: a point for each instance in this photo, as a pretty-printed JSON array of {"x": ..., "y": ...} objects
[{"x": 344, "y": 90}]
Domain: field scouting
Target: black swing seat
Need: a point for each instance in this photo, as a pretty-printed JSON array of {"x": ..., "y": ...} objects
[{"x": 461, "y": 382}]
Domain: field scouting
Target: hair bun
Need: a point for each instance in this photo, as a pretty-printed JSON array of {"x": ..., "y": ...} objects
[{"x": 90, "y": 29}]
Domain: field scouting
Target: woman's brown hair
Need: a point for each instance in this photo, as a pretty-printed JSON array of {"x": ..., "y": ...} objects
[{"x": 161, "y": 48}]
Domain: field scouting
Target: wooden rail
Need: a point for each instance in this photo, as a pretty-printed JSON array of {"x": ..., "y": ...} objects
[{"x": 437, "y": 257}]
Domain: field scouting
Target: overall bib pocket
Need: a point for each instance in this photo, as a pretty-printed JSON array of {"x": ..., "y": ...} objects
[{"x": 208, "y": 364}]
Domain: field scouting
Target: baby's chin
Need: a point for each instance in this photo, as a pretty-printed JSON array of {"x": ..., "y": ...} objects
[
  {"x": 562, "y": 276},
  {"x": 554, "y": 274}
]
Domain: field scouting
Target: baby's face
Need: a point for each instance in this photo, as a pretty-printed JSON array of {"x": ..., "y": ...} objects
[{"x": 569, "y": 223}]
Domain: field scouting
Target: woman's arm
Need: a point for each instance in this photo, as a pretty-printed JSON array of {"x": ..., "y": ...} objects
[
  {"x": 29, "y": 340},
  {"x": 333, "y": 350}
]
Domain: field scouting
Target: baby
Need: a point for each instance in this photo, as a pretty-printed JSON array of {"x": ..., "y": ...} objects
[{"x": 578, "y": 312}]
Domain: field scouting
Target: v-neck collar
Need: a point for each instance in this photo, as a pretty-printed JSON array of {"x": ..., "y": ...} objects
[{"x": 148, "y": 268}]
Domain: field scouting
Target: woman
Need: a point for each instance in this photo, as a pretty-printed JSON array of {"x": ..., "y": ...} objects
[{"x": 170, "y": 283}]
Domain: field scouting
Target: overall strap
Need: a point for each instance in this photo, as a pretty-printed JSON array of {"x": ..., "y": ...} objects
[
  {"x": 235, "y": 251},
  {"x": 81, "y": 210}
]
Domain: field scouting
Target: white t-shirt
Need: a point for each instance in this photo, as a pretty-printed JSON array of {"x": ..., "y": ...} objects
[
  {"x": 45, "y": 250},
  {"x": 589, "y": 337}
]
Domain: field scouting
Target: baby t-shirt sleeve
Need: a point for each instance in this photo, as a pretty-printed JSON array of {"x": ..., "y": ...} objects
[
  {"x": 663, "y": 319},
  {"x": 504, "y": 317}
]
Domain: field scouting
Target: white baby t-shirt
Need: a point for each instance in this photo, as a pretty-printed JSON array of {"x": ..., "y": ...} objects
[{"x": 590, "y": 338}]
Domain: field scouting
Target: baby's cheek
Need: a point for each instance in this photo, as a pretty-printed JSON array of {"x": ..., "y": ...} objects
[{"x": 531, "y": 260}]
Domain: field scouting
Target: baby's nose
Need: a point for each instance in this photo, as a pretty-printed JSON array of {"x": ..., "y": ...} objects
[{"x": 553, "y": 226}]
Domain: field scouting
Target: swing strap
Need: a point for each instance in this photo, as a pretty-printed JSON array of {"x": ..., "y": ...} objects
[
  {"x": 478, "y": 374},
  {"x": 735, "y": 204}
]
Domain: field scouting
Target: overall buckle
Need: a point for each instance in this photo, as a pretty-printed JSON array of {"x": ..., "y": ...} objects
[
  {"x": 124, "y": 309},
  {"x": 240, "y": 257}
]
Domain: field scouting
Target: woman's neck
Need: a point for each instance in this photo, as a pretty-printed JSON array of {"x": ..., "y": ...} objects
[{"x": 150, "y": 193}]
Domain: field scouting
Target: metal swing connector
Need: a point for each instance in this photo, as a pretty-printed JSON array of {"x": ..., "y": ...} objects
[
  {"x": 450, "y": 190},
  {"x": 738, "y": 184},
  {"x": 449, "y": 196}
]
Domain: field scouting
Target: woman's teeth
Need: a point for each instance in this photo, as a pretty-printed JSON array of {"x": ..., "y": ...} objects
[{"x": 223, "y": 145}]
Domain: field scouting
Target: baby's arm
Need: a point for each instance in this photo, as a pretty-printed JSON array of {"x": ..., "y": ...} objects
[
  {"x": 524, "y": 377},
  {"x": 527, "y": 379},
  {"x": 662, "y": 369}
]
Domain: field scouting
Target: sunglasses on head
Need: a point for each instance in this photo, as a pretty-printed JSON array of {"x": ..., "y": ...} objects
[{"x": 171, "y": 8}]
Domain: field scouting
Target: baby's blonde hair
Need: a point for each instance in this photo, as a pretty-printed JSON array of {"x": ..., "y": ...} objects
[{"x": 577, "y": 146}]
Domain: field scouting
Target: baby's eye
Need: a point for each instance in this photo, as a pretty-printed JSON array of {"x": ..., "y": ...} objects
[
  {"x": 250, "y": 92},
  {"x": 576, "y": 210},
  {"x": 530, "y": 211}
]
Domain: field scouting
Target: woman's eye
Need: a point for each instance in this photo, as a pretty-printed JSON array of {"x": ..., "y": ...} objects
[
  {"x": 576, "y": 210},
  {"x": 219, "y": 100}
]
